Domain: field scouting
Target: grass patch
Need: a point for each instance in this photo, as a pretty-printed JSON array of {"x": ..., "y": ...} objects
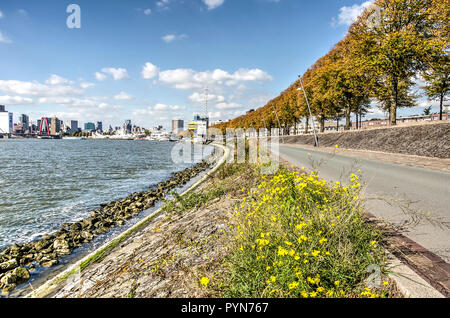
[{"x": 296, "y": 235}]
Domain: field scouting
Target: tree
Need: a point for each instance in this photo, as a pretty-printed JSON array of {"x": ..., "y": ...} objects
[
  {"x": 395, "y": 48},
  {"x": 427, "y": 111},
  {"x": 438, "y": 82}
]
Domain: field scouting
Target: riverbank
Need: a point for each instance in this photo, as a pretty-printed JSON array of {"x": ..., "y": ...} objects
[
  {"x": 213, "y": 243},
  {"x": 19, "y": 261}
]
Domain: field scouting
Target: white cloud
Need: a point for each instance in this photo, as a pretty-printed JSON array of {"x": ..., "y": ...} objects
[
  {"x": 348, "y": 15},
  {"x": 85, "y": 85},
  {"x": 147, "y": 11},
  {"x": 149, "y": 71},
  {"x": 15, "y": 100},
  {"x": 172, "y": 37},
  {"x": 163, "y": 107},
  {"x": 100, "y": 76},
  {"x": 57, "y": 80},
  {"x": 163, "y": 4},
  {"x": 37, "y": 89},
  {"x": 228, "y": 106},
  {"x": 123, "y": 96},
  {"x": 168, "y": 38},
  {"x": 157, "y": 110},
  {"x": 212, "y": 4},
  {"x": 185, "y": 79},
  {"x": 116, "y": 73},
  {"x": 200, "y": 98},
  {"x": 4, "y": 39},
  {"x": 1, "y": 14}
]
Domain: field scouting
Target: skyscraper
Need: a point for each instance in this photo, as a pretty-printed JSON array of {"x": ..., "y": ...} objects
[
  {"x": 25, "y": 121},
  {"x": 177, "y": 126},
  {"x": 55, "y": 126},
  {"x": 99, "y": 126},
  {"x": 72, "y": 125},
  {"x": 127, "y": 126}
]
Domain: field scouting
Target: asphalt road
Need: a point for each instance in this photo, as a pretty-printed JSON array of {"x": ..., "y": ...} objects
[{"x": 417, "y": 198}]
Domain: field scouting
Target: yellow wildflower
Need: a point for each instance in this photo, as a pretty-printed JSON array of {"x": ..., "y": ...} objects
[{"x": 204, "y": 281}]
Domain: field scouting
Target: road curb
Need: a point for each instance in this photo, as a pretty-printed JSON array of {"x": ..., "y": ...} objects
[
  {"x": 423, "y": 265},
  {"x": 408, "y": 282}
]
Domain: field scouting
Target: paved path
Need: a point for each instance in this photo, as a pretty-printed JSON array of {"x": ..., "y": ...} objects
[{"x": 415, "y": 198}]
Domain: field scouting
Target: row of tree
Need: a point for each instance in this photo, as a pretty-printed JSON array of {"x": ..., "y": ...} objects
[
  {"x": 392, "y": 45},
  {"x": 81, "y": 134}
]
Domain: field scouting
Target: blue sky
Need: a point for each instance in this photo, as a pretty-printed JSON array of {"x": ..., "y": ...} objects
[{"x": 149, "y": 61}]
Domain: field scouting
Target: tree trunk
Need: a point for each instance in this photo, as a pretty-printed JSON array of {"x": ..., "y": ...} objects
[
  {"x": 393, "y": 108},
  {"x": 440, "y": 106},
  {"x": 337, "y": 124},
  {"x": 307, "y": 125},
  {"x": 322, "y": 123},
  {"x": 347, "y": 118},
  {"x": 360, "y": 119}
]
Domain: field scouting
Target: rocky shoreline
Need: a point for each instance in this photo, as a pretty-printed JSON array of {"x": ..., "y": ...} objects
[{"x": 18, "y": 260}]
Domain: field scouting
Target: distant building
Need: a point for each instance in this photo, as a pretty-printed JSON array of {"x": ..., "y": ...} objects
[
  {"x": 17, "y": 129},
  {"x": 446, "y": 108},
  {"x": 6, "y": 121},
  {"x": 199, "y": 127},
  {"x": 89, "y": 127},
  {"x": 72, "y": 125},
  {"x": 177, "y": 126},
  {"x": 24, "y": 120},
  {"x": 127, "y": 126},
  {"x": 55, "y": 126},
  {"x": 99, "y": 126}
]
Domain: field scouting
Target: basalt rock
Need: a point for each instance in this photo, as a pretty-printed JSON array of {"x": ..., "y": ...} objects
[
  {"x": 50, "y": 263},
  {"x": 6, "y": 266},
  {"x": 13, "y": 278},
  {"x": 40, "y": 245}
]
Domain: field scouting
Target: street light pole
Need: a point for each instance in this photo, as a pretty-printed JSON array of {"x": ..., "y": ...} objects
[
  {"x": 279, "y": 126},
  {"x": 316, "y": 142}
]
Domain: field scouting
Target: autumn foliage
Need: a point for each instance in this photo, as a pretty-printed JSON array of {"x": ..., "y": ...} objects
[{"x": 393, "y": 45}]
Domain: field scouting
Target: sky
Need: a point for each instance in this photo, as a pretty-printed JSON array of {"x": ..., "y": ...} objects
[{"x": 150, "y": 61}]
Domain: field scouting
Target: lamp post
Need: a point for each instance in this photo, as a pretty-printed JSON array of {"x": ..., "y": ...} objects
[
  {"x": 316, "y": 142},
  {"x": 279, "y": 126},
  {"x": 265, "y": 126}
]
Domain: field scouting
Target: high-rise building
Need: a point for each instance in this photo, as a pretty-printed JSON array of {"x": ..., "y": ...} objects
[
  {"x": 72, "y": 125},
  {"x": 99, "y": 126},
  {"x": 6, "y": 121},
  {"x": 127, "y": 126},
  {"x": 55, "y": 126},
  {"x": 89, "y": 127},
  {"x": 25, "y": 121},
  {"x": 177, "y": 126}
]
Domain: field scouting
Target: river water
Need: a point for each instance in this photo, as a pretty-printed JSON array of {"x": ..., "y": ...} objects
[{"x": 45, "y": 183}]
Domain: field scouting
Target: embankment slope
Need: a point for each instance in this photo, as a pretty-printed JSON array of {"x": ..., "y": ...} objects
[{"x": 429, "y": 140}]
